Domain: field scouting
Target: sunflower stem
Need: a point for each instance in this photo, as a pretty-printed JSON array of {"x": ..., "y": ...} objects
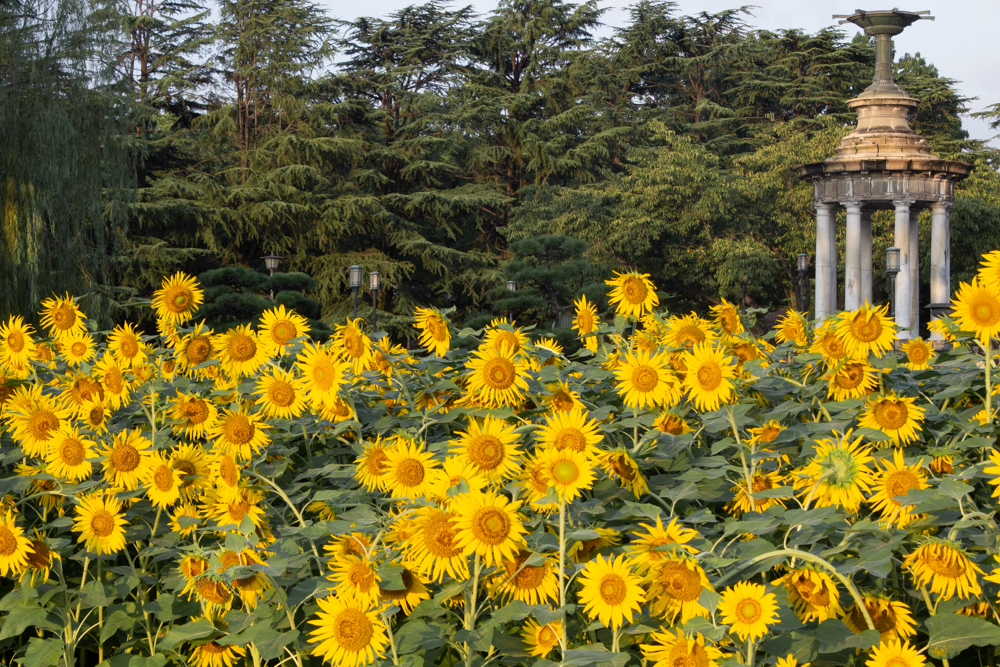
[
  {"x": 562, "y": 572},
  {"x": 989, "y": 389},
  {"x": 470, "y": 607},
  {"x": 392, "y": 640},
  {"x": 614, "y": 641},
  {"x": 739, "y": 444},
  {"x": 751, "y": 653}
]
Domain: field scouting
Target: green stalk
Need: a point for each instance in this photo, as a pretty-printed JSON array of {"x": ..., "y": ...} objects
[
  {"x": 989, "y": 389},
  {"x": 562, "y": 571},
  {"x": 470, "y": 607}
]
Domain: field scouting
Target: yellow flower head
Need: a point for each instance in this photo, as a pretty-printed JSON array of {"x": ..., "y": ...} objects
[
  {"x": 891, "y": 618},
  {"x": 489, "y": 447},
  {"x": 192, "y": 415},
  {"x": 433, "y": 548},
  {"x": 100, "y": 523},
  {"x": 240, "y": 352},
  {"x": 410, "y": 472},
  {"x": 839, "y": 474},
  {"x": 35, "y": 419},
  {"x": 896, "y": 416},
  {"x": 610, "y": 591},
  {"x": 853, "y": 379},
  {"x": 177, "y": 299},
  {"x": 919, "y": 354},
  {"x": 126, "y": 459},
  {"x": 570, "y": 430},
  {"x": 895, "y": 654},
  {"x": 727, "y": 318},
  {"x": 621, "y": 467},
  {"x": 371, "y": 465},
  {"x": 708, "y": 377},
  {"x": 77, "y": 348},
  {"x": 356, "y": 577},
  {"x": 672, "y": 424},
  {"x": 533, "y": 583},
  {"x": 62, "y": 317},
  {"x": 214, "y": 654},
  {"x": 569, "y": 472},
  {"x": 15, "y": 548},
  {"x": 433, "y": 328},
  {"x": 893, "y": 480},
  {"x": 489, "y": 525},
  {"x": 353, "y": 345},
  {"x": 673, "y": 648},
  {"x": 976, "y": 308},
  {"x": 279, "y": 327},
  {"x": 348, "y": 633},
  {"x": 674, "y": 588},
  {"x": 17, "y": 347},
  {"x": 645, "y": 380},
  {"x": 743, "y": 501},
  {"x": 413, "y": 592},
  {"x": 323, "y": 374},
  {"x": 562, "y": 398},
  {"x": 539, "y": 640},
  {"x": 813, "y": 594},
  {"x": 194, "y": 349},
  {"x": 585, "y": 322},
  {"x": 497, "y": 377},
  {"x": 829, "y": 344},
  {"x": 654, "y": 546},
  {"x": 117, "y": 388},
  {"x": 127, "y": 347},
  {"x": 68, "y": 454},
  {"x": 240, "y": 432},
  {"x": 748, "y": 609},
  {"x": 687, "y": 331},
  {"x": 866, "y": 330},
  {"x": 162, "y": 481},
  {"x": 945, "y": 568},
  {"x": 282, "y": 395},
  {"x": 791, "y": 328},
  {"x": 632, "y": 294}
]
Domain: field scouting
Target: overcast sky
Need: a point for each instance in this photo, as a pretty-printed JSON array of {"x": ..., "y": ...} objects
[{"x": 963, "y": 41}]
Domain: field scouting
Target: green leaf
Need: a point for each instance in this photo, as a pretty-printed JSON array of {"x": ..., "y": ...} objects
[
  {"x": 43, "y": 652},
  {"x": 23, "y": 615},
  {"x": 950, "y": 634},
  {"x": 157, "y": 660},
  {"x": 275, "y": 646},
  {"x": 418, "y": 635},
  {"x": 200, "y": 629},
  {"x": 115, "y": 622},
  {"x": 834, "y": 636},
  {"x": 392, "y": 577},
  {"x": 588, "y": 656}
]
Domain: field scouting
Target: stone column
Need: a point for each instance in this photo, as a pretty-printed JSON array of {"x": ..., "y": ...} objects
[
  {"x": 902, "y": 241},
  {"x": 826, "y": 262},
  {"x": 852, "y": 256},
  {"x": 940, "y": 253},
  {"x": 866, "y": 256},
  {"x": 915, "y": 272}
]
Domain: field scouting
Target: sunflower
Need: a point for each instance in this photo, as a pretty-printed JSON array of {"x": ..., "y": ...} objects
[
  {"x": 748, "y": 608},
  {"x": 674, "y": 587},
  {"x": 745, "y": 502},
  {"x": 790, "y": 661},
  {"x": 62, "y": 317},
  {"x": 214, "y": 595},
  {"x": 570, "y": 430},
  {"x": 413, "y": 592},
  {"x": 459, "y": 477},
  {"x": 707, "y": 379},
  {"x": 193, "y": 415},
  {"x": 945, "y": 568},
  {"x": 610, "y": 591},
  {"x": 282, "y": 395},
  {"x": 792, "y": 329},
  {"x": 433, "y": 328},
  {"x": 675, "y": 649},
  {"x": 622, "y": 467},
  {"x": 239, "y": 432},
  {"x": 184, "y": 520},
  {"x": 240, "y": 352},
  {"x": 489, "y": 525},
  {"x": 893, "y": 480},
  {"x": 16, "y": 343},
  {"x": 895, "y": 416},
  {"x": 866, "y": 330},
  {"x": 829, "y": 344},
  {"x": 410, "y": 472},
  {"x": 93, "y": 416},
  {"x": 323, "y": 374},
  {"x": 126, "y": 459},
  {"x": 534, "y": 483},
  {"x": 348, "y": 633},
  {"x": 224, "y": 470},
  {"x": 727, "y": 318},
  {"x": 77, "y": 348},
  {"x": 213, "y": 654},
  {"x": 126, "y": 346},
  {"x": 279, "y": 327},
  {"x": 647, "y": 549},
  {"x": 632, "y": 294},
  {"x": 839, "y": 474},
  {"x": 40, "y": 560},
  {"x": 919, "y": 354},
  {"x": 569, "y": 472},
  {"x": 895, "y": 654},
  {"x": 356, "y": 577},
  {"x": 812, "y": 593},
  {"x": 195, "y": 349},
  {"x": 433, "y": 549},
  {"x": 351, "y": 544},
  {"x": 585, "y": 322},
  {"x": 644, "y": 380},
  {"x": 532, "y": 583},
  {"x": 35, "y": 419},
  {"x": 337, "y": 410},
  {"x": 162, "y": 481},
  {"x": 943, "y": 328},
  {"x": 562, "y": 398},
  {"x": 233, "y": 512},
  {"x": 687, "y": 331},
  {"x": 976, "y": 308},
  {"x": 353, "y": 345},
  {"x": 68, "y": 454},
  {"x": 489, "y": 447},
  {"x": 672, "y": 424},
  {"x": 583, "y": 550},
  {"x": 81, "y": 390},
  {"x": 371, "y": 466},
  {"x": 117, "y": 389},
  {"x": 539, "y": 640},
  {"x": 852, "y": 380},
  {"x": 502, "y": 333},
  {"x": 191, "y": 567},
  {"x": 100, "y": 523},
  {"x": 15, "y": 548},
  {"x": 177, "y": 299},
  {"x": 496, "y": 377},
  {"x": 891, "y": 618},
  {"x": 193, "y": 465},
  {"x": 550, "y": 345}
]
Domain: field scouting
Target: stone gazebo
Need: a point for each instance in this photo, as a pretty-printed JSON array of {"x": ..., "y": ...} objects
[{"x": 882, "y": 164}]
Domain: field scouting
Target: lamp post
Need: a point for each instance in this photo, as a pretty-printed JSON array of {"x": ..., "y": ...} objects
[
  {"x": 892, "y": 268},
  {"x": 354, "y": 280},
  {"x": 803, "y": 282},
  {"x": 374, "y": 283},
  {"x": 511, "y": 286},
  {"x": 271, "y": 262}
]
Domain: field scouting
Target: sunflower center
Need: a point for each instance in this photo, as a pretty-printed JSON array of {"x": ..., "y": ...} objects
[
  {"x": 613, "y": 589},
  {"x": 239, "y": 430},
  {"x": 242, "y": 347},
  {"x": 237, "y": 510},
  {"x": 39, "y": 557},
  {"x": 102, "y": 523},
  {"x": 177, "y": 299},
  {"x": 762, "y": 483},
  {"x": 709, "y": 376},
  {"x": 851, "y": 376},
  {"x": 680, "y": 582},
  {"x": 15, "y": 341},
  {"x": 899, "y": 482},
  {"x": 163, "y": 478},
  {"x": 681, "y": 656},
  {"x": 8, "y": 543},
  {"x": 490, "y": 525},
  {"x": 375, "y": 463},
  {"x": 890, "y": 415},
  {"x": 96, "y": 416},
  {"x": 645, "y": 378},
  {"x": 78, "y": 348},
  {"x": 42, "y": 423},
  {"x": 585, "y": 323},
  {"x": 85, "y": 388},
  {"x": 748, "y": 611},
  {"x": 196, "y": 411},
  {"x": 816, "y": 595},
  {"x": 562, "y": 401},
  {"x": 884, "y": 620},
  {"x": 71, "y": 452},
  {"x": 361, "y": 575},
  {"x": 546, "y": 636},
  {"x": 440, "y": 537},
  {"x": 213, "y": 648},
  {"x": 498, "y": 373},
  {"x": 728, "y": 320},
  {"x": 673, "y": 425},
  {"x": 228, "y": 471},
  {"x": 410, "y": 472},
  {"x": 690, "y": 334},
  {"x": 129, "y": 346},
  {"x": 198, "y": 349},
  {"x": 125, "y": 458},
  {"x": 866, "y": 328},
  {"x": 530, "y": 577},
  {"x": 571, "y": 438},
  {"x": 353, "y": 344},
  {"x": 507, "y": 338},
  {"x": 486, "y": 451},
  {"x": 634, "y": 290},
  {"x": 323, "y": 373},
  {"x": 214, "y": 592},
  {"x": 436, "y": 329},
  {"x": 565, "y": 472},
  {"x": 283, "y": 331},
  {"x": 834, "y": 346},
  {"x": 113, "y": 380},
  {"x": 187, "y": 470},
  {"x": 281, "y": 393},
  {"x": 64, "y": 317},
  {"x": 744, "y": 352},
  {"x": 622, "y": 468},
  {"x": 918, "y": 353},
  {"x": 950, "y": 568},
  {"x": 352, "y": 630},
  {"x": 985, "y": 311}
]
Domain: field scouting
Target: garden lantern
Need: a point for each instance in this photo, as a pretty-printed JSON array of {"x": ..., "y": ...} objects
[
  {"x": 354, "y": 280},
  {"x": 511, "y": 286},
  {"x": 374, "y": 283},
  {"x": 892, "y": 268},
  {"x": 271, "y": 262},
  {"x": 803, "y": 282}
]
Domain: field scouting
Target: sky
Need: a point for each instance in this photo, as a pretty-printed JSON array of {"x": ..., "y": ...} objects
[{"x": 962, "y": 41}]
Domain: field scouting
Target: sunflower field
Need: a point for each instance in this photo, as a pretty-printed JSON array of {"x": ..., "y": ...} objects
[{"x": 678, "y": 492}]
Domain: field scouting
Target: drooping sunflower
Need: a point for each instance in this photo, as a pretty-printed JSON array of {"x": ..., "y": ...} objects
[
  {"x": 62, "y": 317},
  {"x": 240, "y": 432},
  {"x": 353, "y": 345},
  {"x": 791, "y": 328},
  {"x": 687, "y": 331},
  {"x": 177, "y": 299},
  {"x": 413, "y": 592},
  {"x": 323, "y": 374},
  {"x": 127, "y": 347},
  {"x": 214, "y": 594},
  {"x": 647, "y": 549},
  {"x": 100, "y": 523},
  {"x": 162, "y": 481},
  {"x": 891, "y": 618},
  {"x": 562, "y": 398},
  {"x": 976, "y": 308},
  {"x": 707, "y": 378},
  {"x": 919, "y": 354},
  {"x": 582, "y": 551},
  {"x": 944, "y": 567},
  {"x": 17, "y": 347},
  {"x": 748, "y": 609},
  {"x": 829, "y": 344},
  {"x": 533, "y": 583},
  {"x": 282, "y": 395},
  {"x": 620, "y": 466},
  {"x": 337, "y": 410},
  {"x": 585, "y": 322},
  {"x": 727, "y": 318},
  {"x": 194, "y": 349},
  {"x": 839, "y": 474},
  {"x": 539, "y": 640},
  {"x": 866, "y": 330},
  {"x": 77, "y": 348},
  {"x": 497, "y": 377},
  {"x": 673, "y": 648},
  {"x": 853, "y": 379},
  {"x": 184, "y": 519},
  {"x": 278, "y": 327},
  {"x": 433, "y": 328},
  {"x": 644, "y": 380},
  {"x": 610, "y": 591},
  {"x": 896, "y": 416},
  {"x": 67, "y": 456},
  {"x": 489, "y": 447},
  {"x": 892, "y": 481},
  {"x": 674, "y": 587},
  {"x": 240, "y": 352},
  {"x": 410, "y": 471},
  {"x": 126, "y": 459},
  {"x": 489, "y": 525},
  {"x": 672, "y": 424},
  {"x": 743, "y": 501},
  {"x": 214, "y": 654},
  {"x": 569, "y": 472},
  {"x": 570, "y": 430},
  {"x": 895, "y": 654},
  {"x": 80, "y": 390},
  {"x": 40, "y": 560},
  {"x": 348, "y": 633},
  {"x": 632, "y": 294},
  {"x": 356, "y": 577},
  {"x": 15, "y": 548},
  {"x": 193, "y": 415},
  {"x": 813, "y": 594},
  {"x": 433, "y": 548}
]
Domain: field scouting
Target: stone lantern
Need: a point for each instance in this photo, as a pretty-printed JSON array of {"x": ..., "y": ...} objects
[{"x": 882, "y": 164}]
